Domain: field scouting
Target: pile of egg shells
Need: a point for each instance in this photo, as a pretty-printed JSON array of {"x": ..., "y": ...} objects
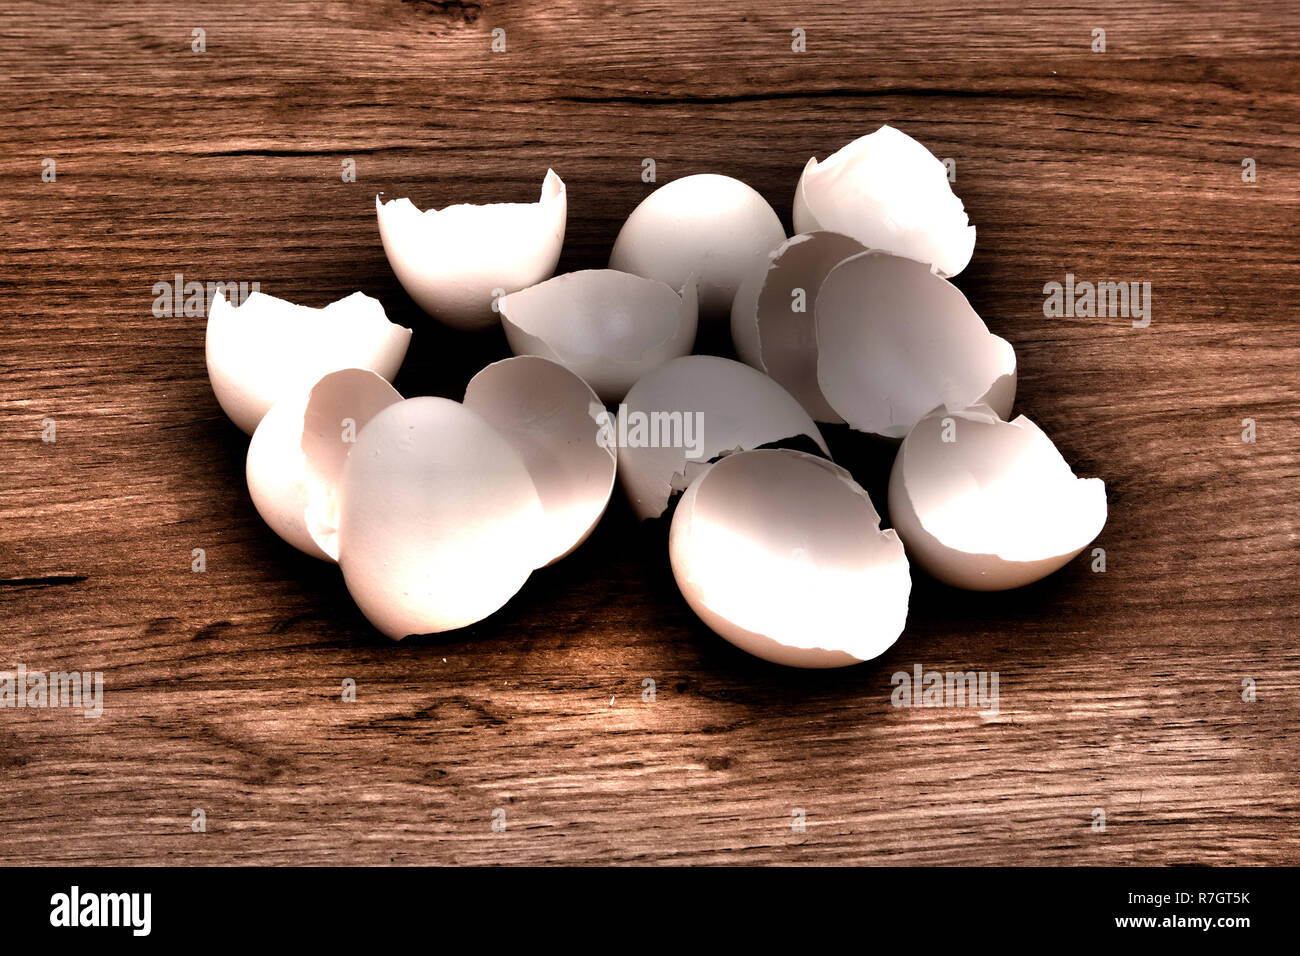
[{"x": 437, "y": 511}]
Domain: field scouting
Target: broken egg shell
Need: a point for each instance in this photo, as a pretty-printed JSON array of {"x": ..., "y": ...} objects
[
  {"x": 440, "y": 523},
  {"x": 268, "y": 349},
  {"x": 553, "y": 419},
  {"x": 890, "y": 193},
  {"x": 895, "y": 341},
  {"x": 710, "y": 226},
  {"x": 606, "y": 326},
  {"x": 456, "y": 261},
  {"x": 773, "y": 319},
  {"x": 277, "y": 475},
  {"x": 781, "y": 553},
  {"x": 736, "y": 408},
  {"x": 987, "y": 505},
  {"x": 296, "y": 457}
]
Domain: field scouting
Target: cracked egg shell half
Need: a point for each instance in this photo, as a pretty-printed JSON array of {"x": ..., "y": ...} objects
[
  {"x": 688, "y": 412},
  {"x": 781, "y": 553},
  {"x": 606, "y": 326},
  {"x": 894, "y": 341},
  {"x": 445, "y": 508},
  {"x": 456, "y": 261},
  {"x": 985, "y": 504},
  {"x": 710, "y": 226},
  {"x": 440, "y": 523},
  {"x": 890, "y": 193},
  {"x": 553, "y": 419},
  {"x": 296, "y": 457},
  {"x": 773, "y": 319},
  {"x": 268, "y": 349}
]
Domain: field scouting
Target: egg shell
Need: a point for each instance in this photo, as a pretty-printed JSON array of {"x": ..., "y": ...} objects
[
  {"x": 773, "y": 319},
  {"x": 781, "y": 553},
  {"x": 268, "y": 349},
  {"x": 455, "y": 262},
  {"x": 987, "y": 505},
  {"x": 710, "y": 226},
  {"x": 895, "y": 341},
  {"x": 296, "y": 456},
  {"x": 608, "y": 327},
  {"x": 440, "y": 523},
  {"x": 891, "y": 194},
  {"x": 737, "y": 407},
  {"x": 553, "y": 419}
]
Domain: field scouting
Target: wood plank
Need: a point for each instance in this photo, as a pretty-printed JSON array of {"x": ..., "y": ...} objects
[{"x": 1120, "y": 691}]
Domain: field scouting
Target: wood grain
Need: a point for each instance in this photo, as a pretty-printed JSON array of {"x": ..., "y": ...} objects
[{"x": 1120, "y": 691}]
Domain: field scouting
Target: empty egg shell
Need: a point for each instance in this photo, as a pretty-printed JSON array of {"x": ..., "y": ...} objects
[
  {"x": 607, "y": 326},
  {"x": 890, "y": 193},
  {"x": 456, "y": 261},
  {"x": 895, "y": 341},
  {"x": 713, "y": 227},
  {"x": 553, "y": 419},
  {"x": 439, "y": 521},
  {"x": 706, "y": 406},
  {"x": 781, "y": 553},
  {"x": 268, "y": 349},
  {"x": 772, "y": 317},
  {"x": 296, "y": 457},
  {"x": 988, "y": 505}
]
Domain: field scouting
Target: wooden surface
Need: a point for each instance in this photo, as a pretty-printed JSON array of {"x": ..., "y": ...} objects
[{"x": 1119, "y": 690}]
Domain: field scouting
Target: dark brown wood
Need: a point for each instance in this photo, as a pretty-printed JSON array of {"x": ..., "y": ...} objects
[{"x": 1119, "y": 690}]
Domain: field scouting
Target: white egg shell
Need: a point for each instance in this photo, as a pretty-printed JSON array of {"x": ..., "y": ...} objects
[
  {"x": 609, "y": 327},
  {"x": 781, "y": 553},
  {"x": 267, "y": 348},
  {"x": 553, "y": 419},
  {"x": 773, "y": 320},
  {"x": 296, "y": 457},
  {"x": 727, "y": 406},
  {"x": 455, "y": 262},
  {"x": 713, "y": 227},
  {"x": 895, "y": 341},
  {"x": 890, "y": 193},
  {"x": 986, "y": 504},
  {"x": 439, "y": 521}
]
